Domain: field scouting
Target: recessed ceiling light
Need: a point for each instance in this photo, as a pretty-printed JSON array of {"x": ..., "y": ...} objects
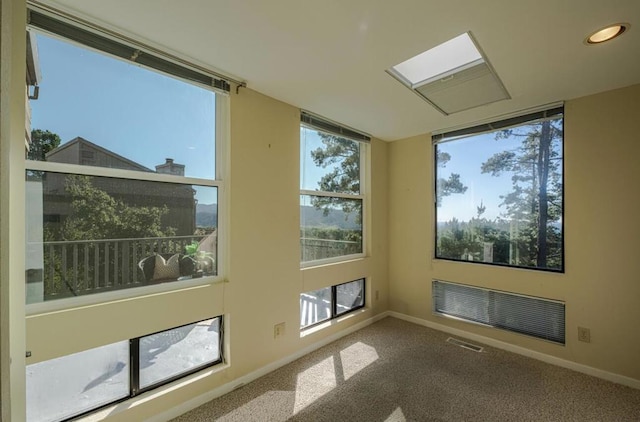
[{"x": 608, "y": 33}]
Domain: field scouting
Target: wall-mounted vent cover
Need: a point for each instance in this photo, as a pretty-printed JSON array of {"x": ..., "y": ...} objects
[
  {"x": 533, "y": 316},
  {"x": 453, "y": 76}
]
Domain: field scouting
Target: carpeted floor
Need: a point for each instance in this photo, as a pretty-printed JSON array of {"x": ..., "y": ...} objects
[{"x": 398, "y": 371}]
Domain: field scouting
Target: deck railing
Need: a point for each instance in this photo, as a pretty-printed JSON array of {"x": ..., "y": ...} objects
[
  {"x": 313, "y": 249},
  {"x": 74, "y": 268}
]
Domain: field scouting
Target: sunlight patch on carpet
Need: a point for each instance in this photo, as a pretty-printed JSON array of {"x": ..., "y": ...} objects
[
  {"x": 396, "y": 416},
  {"x": 314, "y": 383},
  {"x": 357, "y": 357}
]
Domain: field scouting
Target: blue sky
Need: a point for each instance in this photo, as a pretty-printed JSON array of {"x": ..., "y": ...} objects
[
  {"x": 467, "y": 155},
  {"x": 139, "y": 114},
  {"x": 310, "y": 173}
]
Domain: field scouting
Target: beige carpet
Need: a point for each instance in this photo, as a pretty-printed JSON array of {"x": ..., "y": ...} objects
[{"x": 398, "y": 371}]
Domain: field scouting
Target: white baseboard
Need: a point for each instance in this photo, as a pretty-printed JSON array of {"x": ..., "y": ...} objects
[
  {"x": 238, "y": 382},
  {"x": 578, "y": 367}
]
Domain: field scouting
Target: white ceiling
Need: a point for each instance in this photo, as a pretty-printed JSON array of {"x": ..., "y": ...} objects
[{"x": 330, "y": 56}]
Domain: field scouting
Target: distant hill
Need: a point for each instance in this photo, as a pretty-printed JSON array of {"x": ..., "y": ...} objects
[
  {"x": 313, "y": 217},
  {"x": 207, "y": 216}
]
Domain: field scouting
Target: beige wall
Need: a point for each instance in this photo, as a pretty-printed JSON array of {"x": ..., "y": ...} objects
[
  {"x": 600, "y": 285},
  {"x": 264, "y": 275}
]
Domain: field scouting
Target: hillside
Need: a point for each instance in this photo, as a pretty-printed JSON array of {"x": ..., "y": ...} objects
[{"x": 207, "y": 216}]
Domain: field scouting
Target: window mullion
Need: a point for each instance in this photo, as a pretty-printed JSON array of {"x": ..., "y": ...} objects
[
  {"x": 66, "y": 168},
  {"x": 134, "y": 367},
  {"x": 330, "y": 194}
]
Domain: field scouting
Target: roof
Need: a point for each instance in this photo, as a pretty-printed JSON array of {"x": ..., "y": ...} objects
[{"x": 90, "y": 145}]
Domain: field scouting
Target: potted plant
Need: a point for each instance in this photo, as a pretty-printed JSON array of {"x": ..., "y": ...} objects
[{"x": 205, "y": 261}]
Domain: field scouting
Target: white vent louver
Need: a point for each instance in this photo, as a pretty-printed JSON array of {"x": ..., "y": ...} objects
[
  {"x": 532, "y": 316},
  {"x": 456, "y": 76},
  {"x": 462, "y": 90}
]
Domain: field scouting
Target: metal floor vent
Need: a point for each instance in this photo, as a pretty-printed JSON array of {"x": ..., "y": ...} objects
[{"x": 465, "y": 345}]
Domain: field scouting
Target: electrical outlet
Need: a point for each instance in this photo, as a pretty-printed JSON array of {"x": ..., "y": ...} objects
[
  {"x": 584, "y": 334},
  {"x": 278, "y": 330}
]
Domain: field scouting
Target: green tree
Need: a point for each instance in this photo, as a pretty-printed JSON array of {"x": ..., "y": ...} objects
[
  {"x": 535, "y": 202},
  {"x": 42, "y": 141},
  {"x": 345, "y": 177},
  {"x": 449, "y": 186},
  {"x": 97, "y": 215},
  {"x": 344, "y": 156}
]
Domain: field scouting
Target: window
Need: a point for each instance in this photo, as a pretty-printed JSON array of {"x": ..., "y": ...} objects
[
  {"x": 499, "y": 192},
  {"x": 330, "y": 302},
  {"x": 123, "y": 155},
  {"x": 331, "y": 191},
  {"x": 61, "y": 388},
  {"x": 169, "y": 354},
  {"x": 65, "y": 387}
]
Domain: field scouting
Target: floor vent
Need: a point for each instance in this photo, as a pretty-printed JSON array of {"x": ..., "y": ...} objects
[
  {"x": 533, "y": 316},
  {"x": 464, "y": 344}
]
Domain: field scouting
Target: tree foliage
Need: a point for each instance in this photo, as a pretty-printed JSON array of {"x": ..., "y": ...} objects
[
  {"x": 97, "y": 215},
  {"x": 449, "y": 186},
  {"x": 42, "y": 141},
  {"x": 528, "y": 231},
  {"x": 343, "y": 155},
  {"x": 535, "y": 201}
]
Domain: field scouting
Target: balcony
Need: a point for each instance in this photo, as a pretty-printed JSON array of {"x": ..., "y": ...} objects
[
  {"x": 76, "y": 268},
  {"x": 312, "y": 249}
]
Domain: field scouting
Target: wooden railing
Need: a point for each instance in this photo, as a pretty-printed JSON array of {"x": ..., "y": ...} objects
[
  {"x": 74, "y": 268},
  {"x": 312, "y": 249}
]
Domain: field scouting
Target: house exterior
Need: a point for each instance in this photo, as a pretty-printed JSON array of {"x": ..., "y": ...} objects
[{"x": 181, "y": 211}]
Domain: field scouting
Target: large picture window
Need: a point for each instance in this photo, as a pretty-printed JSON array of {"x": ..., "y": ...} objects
[
  {"x": 121, "y": 181},
  {"x": 331, "y": 192},
  {"x": 499, "y": 192}
]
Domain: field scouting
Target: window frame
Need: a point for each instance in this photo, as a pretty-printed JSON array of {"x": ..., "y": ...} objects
[
  {"x": 319, "y": 124},
  {"x": 546, "y": 112},
  {"x": 220, "y": 140},
  {"x": 134, "y": 354},
  {"x": 333, "y": 314},
  {"x": 133, "y": 377}
]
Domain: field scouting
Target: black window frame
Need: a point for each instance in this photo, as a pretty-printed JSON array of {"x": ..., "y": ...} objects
[
  {"x": 437, "y": 138},
  {"x": 134, "y": 356},
  {"x": 134, "y": 368},
  {"x": 334, "y": 314}
]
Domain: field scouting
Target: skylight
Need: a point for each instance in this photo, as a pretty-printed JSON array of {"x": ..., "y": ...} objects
[
  {"x": 443, "y": 58},
  {"x": 453, "y": 76}
]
